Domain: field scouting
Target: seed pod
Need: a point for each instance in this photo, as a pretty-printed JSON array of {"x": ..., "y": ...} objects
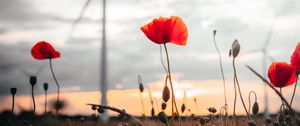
[
  {"x": 94, "y": 107},
  {"x": 163, "y": 106},
  {"x": 255, "y": 108},
  {"x": 45, "y": 86},
  {"x": 215, "y": 32},
  {"x": 235, "y": 49},
  {"x": 152, "y": 112},
  {"x": 163, "y": 117},
  {"x": 251, "y": 123},
  {"x": 166, "y": 93},
  {"x": 212, "y": 109},
  {"x": 32, "y": 80},
  {"x": 13, "y": 91},
  {"x": 182, "y": 108}
]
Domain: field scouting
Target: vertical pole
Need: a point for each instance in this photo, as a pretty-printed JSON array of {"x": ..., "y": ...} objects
[
  {"x": 103, "y": 65},
  {"x": 266, "y": 100}
]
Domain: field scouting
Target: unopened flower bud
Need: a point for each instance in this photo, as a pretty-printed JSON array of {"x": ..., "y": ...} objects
[
  {"x": 163, "y": 117},
  {"x": 235, "y": 49},
  {"x": 45, "y": 86},
  {"x": 166, "y": 93},
  {"x": 255, "y": 108},
  {"x": 32, "y": 80},
  {"x": 13, "y": 90}
]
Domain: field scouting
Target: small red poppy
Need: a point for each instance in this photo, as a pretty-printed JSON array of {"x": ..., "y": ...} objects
[
  {"x": 163, "y": 30},
  {"x": 43, "y": 50},
  {"x": 295, "y": 58},
  {"x": 281, "y": 74}
]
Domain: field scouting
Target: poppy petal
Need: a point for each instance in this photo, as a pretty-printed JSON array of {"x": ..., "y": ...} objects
[{"x": 43, "y": 50}]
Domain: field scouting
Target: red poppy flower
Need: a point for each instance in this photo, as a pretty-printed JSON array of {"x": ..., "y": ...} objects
[
  {"x": 163, "y": 30},
  {"x": 281, "y": 74},
  {"x": 43, "y": 50},
  {"x": 295, "y": 58}
]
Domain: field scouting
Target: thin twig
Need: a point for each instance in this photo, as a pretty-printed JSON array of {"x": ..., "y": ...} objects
[{"x": 120, "y": 112}]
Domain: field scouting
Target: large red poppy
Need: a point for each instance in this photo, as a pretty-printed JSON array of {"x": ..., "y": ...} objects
[
  {"x": 295, "y": 58},
  {"x": 163, "y": 30},
  {"x": 43, "y": 50},
  {"x": 281, "y": 74}
]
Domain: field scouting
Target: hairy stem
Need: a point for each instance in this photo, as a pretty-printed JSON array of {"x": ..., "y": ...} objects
[
  {"x": 170, "y": 78},
  {"x": 295, "y": 87},
  {"x": 239, "y": 89},
  {"x": 58, "y": 88},
  {"x": 234, "y": 104}
]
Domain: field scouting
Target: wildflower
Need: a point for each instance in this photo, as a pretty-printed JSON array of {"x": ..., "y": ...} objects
[
  {"x": 164, "y": 30},
  {"x": 43, "y": 50},
  {"x": 281, "y": 74}
]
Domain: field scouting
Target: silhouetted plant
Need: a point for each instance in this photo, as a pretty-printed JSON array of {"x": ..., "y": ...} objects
[
  {"x": 163, "y": 118},
  {"x": 235, "y": 49},
  {"x": 141, "y": 88},
  {"x": 13, "y": 92},
  {"x": 43, "y": 50},
  {"x": 45, "y": 86},
  {"x": 223, "y": 78},
  {"x": 255, "y": 107},
  {"x": 33, "y": 81},
  {"x": 121, "y": 112}
]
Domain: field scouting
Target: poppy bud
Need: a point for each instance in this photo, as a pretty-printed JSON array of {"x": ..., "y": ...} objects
[
  {"x": 45, "y": 86},
  {"x": 163, "y": 117},
  {"x": 251, "y": 123},
  {"x": 195, "y": 100},
  {"x": 215, "y": 32},
  {"x": 255, "y": 108},
  {"x": 163, "y": 106},
  {"x": 235, "y": 49},
  {"x": 166, "y": 93},
  {"x": 152, "y": 112},
  {"x": 141, "y": 87},
  {"x": 100, "y": 110},
  {"x": 32, "y": 80},
  {"x": 182, "y": 108},
  {"x": 13, "y": 90}
]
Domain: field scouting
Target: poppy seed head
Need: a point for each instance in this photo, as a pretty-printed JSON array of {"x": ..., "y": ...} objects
[
  {"x": 45, "y": 86},
  {"x": 32, "y": 80},
  {"x": 163, "y": 106},
  {"x": 13, "y": 90},
  {"x": 255, "y": 108},
  {"x": 215, "y": 32}
]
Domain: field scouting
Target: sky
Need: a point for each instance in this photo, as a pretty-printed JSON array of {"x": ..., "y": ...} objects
[{"x": 130, "y": 53}]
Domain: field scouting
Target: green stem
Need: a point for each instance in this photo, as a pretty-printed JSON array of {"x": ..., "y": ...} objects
[
  {"x": 295, "y": 87},
  {"x": 170, "y": 78},
  {"x": 58, "y": 88}
]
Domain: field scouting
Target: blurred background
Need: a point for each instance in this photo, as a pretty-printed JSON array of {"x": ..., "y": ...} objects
[{"x": 257, "y": 24}]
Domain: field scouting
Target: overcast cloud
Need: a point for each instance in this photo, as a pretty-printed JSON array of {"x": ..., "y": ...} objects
[{"x": 130, "y": 53}]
